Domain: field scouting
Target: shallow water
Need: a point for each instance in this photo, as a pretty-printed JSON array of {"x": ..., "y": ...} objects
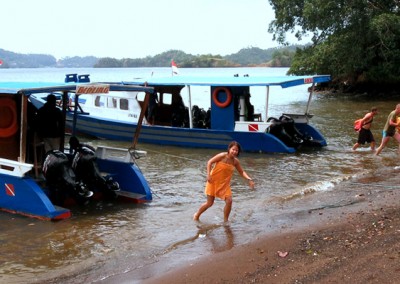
[{"x": 106, "y": 239}]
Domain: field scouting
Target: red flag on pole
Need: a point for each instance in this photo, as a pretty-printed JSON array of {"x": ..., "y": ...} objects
[{"x": 174, "y": 68}]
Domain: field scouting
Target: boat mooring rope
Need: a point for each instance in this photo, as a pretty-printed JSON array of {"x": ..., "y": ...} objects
[
  {"x": 174, "y": 156},
  {"x": 194, "y": 160}
]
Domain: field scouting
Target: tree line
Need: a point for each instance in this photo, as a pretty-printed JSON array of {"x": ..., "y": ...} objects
[
  {"x": 355, "y": 41},
  {"x": 251, "y": 56}
]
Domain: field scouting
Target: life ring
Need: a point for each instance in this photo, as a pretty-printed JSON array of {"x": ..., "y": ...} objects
[
  {"x": 8, "y": 109},
  {"x": 228, "y": 97}
]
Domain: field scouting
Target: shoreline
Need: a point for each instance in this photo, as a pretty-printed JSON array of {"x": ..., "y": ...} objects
[
  {"x": 363, "y": 249},
  {"x": 358, "y": 243}
]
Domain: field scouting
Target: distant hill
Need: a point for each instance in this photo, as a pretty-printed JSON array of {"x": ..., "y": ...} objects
[
  {"x": 18, "y": 60},
  {"x": 251, "y": 56}
]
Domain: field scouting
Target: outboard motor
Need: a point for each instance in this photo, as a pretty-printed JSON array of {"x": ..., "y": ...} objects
[
  {"x": 86, "y": 170},
  {"x": 299, "y": 138},
  {"x": 285, "y": 130},
  {"x": 288, "y": 123},
  {"x": 282, "y": 129},
  {"x": 60, "y": 179}
]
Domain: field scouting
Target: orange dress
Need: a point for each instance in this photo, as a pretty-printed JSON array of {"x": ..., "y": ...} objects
[{"x": 221, "y": 176}]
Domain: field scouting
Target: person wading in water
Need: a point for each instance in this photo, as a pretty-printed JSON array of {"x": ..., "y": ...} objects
[{"x": 220, "y": 169}]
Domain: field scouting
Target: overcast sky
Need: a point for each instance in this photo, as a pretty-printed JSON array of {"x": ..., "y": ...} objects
[{"x": 133, "y": 28}]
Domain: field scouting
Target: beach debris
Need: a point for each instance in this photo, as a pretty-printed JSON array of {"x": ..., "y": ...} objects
[{"x": 282, "y": 253}]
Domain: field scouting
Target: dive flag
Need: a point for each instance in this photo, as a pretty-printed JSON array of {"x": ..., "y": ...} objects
[
  {"x": 253, "y": 127},
  {"x": 174, "y": 68},
  {"x": 9, "y": 189}
]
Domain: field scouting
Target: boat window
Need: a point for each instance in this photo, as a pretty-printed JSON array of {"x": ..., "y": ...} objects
[
  {"x": 141, "y": 96},
  {"x": 99, "y": 101},
  {"x": 124, "y": 104},
  {"x": 167, "y": 99},
  {"x": 111, "y": 102}
]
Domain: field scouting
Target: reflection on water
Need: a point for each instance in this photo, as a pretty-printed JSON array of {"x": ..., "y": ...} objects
[{"x": 106, "y": 239}]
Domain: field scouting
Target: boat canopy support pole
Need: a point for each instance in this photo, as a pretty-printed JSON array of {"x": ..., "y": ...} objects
[
  {"x": 190, "y": 107},
  {"x": 266, "y": 105},
  {"x": 76, "y": 100},
  {"x": 309, "y": 98},
  {"x": 140, "y": 121},
  {"x": 65, "y": 100},
  {"x": 23, "y": 127}
]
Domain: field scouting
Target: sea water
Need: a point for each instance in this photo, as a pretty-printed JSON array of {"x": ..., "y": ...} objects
[{"x": 105, "y": 239}]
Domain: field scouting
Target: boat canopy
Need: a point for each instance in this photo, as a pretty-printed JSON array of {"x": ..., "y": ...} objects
[
  {"x": 28, "y": 88},
  {"x": 283, "y": 81}
]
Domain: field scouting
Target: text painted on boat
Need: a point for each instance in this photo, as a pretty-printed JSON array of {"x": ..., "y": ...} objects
[{"x": 93, "y": 89}]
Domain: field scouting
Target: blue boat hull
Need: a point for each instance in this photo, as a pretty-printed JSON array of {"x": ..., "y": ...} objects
[
  {"x": 131, "y": 180},
  {"x": 186, "y": 137},
  {"x": 25, "y": 197}
]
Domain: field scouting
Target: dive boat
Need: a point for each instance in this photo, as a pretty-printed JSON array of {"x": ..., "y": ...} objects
[
  {"x": 230, "y": 116},
  {"x": 25, "y": 169}
]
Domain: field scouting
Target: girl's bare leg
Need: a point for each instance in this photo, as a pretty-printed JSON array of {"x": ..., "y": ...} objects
[
  {"x": 227, "y": 208},
  {"x": 204, "y": 207}
]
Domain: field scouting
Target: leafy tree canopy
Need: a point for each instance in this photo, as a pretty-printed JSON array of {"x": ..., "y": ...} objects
[{"x": 353, "y": 40}]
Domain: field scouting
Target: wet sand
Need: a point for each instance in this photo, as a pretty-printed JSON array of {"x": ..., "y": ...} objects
[{"x": 351, "y": 244}]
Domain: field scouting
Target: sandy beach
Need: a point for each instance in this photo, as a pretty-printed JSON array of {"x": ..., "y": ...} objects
[{"x": 351, "y": 244}]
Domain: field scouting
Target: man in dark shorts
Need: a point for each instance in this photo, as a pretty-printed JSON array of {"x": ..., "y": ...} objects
[{"x": 365, "y": 134}]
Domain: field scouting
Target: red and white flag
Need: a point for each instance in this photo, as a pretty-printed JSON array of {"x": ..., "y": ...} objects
[{"x": 174, "y": 68}]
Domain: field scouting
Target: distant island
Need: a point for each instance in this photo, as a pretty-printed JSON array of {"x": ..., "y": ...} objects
[{"x": 246, "y": 57}]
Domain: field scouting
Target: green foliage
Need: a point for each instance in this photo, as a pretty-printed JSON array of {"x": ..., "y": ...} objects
[
  {"x": 17, "y": 60},
  {"x": 355, "y": 40},
  {"x": 252, "y": 56},
  {"x": 108, "y": 62},
  {"x": 207, "y": 61},
  {"x": 282, "y": 58},
  {"x": 76, "y": 61}
]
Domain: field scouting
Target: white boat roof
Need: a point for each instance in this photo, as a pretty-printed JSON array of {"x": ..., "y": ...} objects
[
  {"x": 28, "y": 88},
  {"x": 283, "y": 81}
]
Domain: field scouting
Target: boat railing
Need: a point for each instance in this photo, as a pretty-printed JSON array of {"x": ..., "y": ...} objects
[
  {"x": 252, "y": 126},
  {"x": 14, "y": 168},
  {"x": 117, "y": 154}
]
